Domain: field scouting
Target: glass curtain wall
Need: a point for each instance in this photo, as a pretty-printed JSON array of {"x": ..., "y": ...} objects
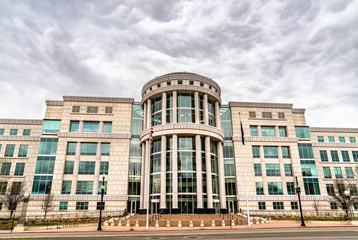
[
  {"x": 157, "y": 111},
  {"x": 186, "y": 108}
]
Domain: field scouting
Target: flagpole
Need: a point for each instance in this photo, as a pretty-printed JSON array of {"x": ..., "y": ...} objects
[
  {"x": 243, "y": 162},
  {"x": 148, "y": 173}
]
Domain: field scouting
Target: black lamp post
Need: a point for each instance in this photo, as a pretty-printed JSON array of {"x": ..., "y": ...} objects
[
  {"x": 101, "y": 207},
  {"x": 298, "y": 191}
]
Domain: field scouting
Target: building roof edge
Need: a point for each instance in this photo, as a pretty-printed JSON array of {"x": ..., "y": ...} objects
[{"x": 261, "y": 105}]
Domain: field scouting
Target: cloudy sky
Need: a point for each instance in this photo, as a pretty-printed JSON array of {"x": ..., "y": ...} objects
[{"x": 291, "y": 51}]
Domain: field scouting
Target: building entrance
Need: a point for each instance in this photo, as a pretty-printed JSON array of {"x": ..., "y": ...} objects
[{"x": 154, "y": 208}]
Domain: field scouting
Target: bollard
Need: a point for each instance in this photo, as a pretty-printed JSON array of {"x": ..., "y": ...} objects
[
  {"x": 213, "y": 223},
  {"x": 156, "y": 223},
  {"x": 191, "y": 224},
  {"x": 127, "y": 223},
  {"x": 223, "y": 223},
  {"x": 168, "y": 224},
  {"x": 232, "y": 222},
  {"x": 202, "y": 223},
  {"x": 179, "y": 224},
  {"x": 137, "y": 223}
]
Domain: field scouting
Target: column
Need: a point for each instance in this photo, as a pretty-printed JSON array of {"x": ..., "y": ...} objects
[
  {"x": 163, "y": 172},
  {"x": 149, "y": 113},
  {"x": 217, "y": 114},
  {"x": 76, "y": 166},
  {"x": 196, "y": 104},
  {"x": 175, "y": 112},
  {"x": 259, "y": 133},
  {"x": 145, "y": 115},
  {"x": 209, "y": 184},
  {"x": 206, "y": 116},
  {"x": 142, "y": 171},
  {"x": 164, "y": 108},
  {"x": 221, "y": 177},
  {"x": 100, "y": 127},
  {"x": 199, "y": 174},
  {"x": 146, "y": 176},
  {"x": 277, "y": 133},
  {"x": 80, "y": 127},
  {"x": 97, "y": 168},
  {"x": 175, "y": 173}
]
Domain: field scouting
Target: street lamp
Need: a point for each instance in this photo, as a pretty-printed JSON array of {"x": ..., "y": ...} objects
[
  {"x": 298, "y": 191},
  {"x": 101, "y": 207},
  {"x": 24, "y": 207},
  {"x": 347, "y": 193}
]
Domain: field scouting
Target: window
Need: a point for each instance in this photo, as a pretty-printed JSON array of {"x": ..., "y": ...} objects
[
  {"x": 63, "y": 206},
  {"x": 48, "y": 146},
  {"x": 305, "y": 150},
  {"x": 270, "y": 152},
  {"x": 355, "y": 206},
  {"x": 229, "y": 167},
  {"x": 51, "y": 126},
  {"x": 267, "y": 131},
  {"x": 302, "y": 132},
  {"x": 16, "y": 188},
  {"x": 3, "y": 186},
  {"x": 290, "y": 188},
  {"x": 273, "y": 170},
  {"x": 288, "y": 170},
  {"x": 278, "y": 205},
  {"x": 308, "y": 168},
  {"x": 66, "y": 187},
  {"x": 86, "y": 167},
  {"x": 334, "y": 155},
  {"x": 135, "y": 148},
  {"x": 134, "y": 185},
  {"x": 2, "y": 131},
  {"x": 45, "y": 165},
  {"x": 285, "y": 152},
  {"x": 331, "y": 139},
  {"x": 255, "y": 151},
  {"x": 71, "y": 148},
  {"x": 274, "y": 188},
  {"x": 185, "y": 105},
  {"x": 259, "y": 188},
  {"x": 226, "y": 127},
  {"x": 338, "y": 172},
  {"x": 228, "y": 150},
  {"x": 107, "y": 127},
  {"x": 352, "y": 139},
  {"x": 252, "y": 114},
  {"x": 99, "y": 205},
  {"x": 69, "y": 167},
  {"x": 108, "y": 110},
  {"x": 230, "y": 186},
  {"x": 5, "y": 168},
  {"x": 324, "y": 156},
  {"x": 266, "y": 114},
  {"x": 100, "y": 185},
  {"x": 327, "y": 172},
  {"x": 9, "y": 151},
  {"x": 104, "y": 168},
  {"x": 257, "y": 168},
  {"x": 41, "y": 185},
  {"x": 92, "y": 109},
  {"x": 137, "y": 127},
  {"x": 23, "y": 150},
  {"x": 320, "y": 139},
  {"x": 330, "y": 189},
  {"x": 345, "y": 156},
  {"x": 282, "y": 131},
  {"x": 74, "y": 126},
  {"x": 333, "y": 206},
  {"x": 89, "y": 149},
  {"x": 19, "y": 169},
  {"x": 84, "y": 187},
  {"x": 262, "y": 205},
  {"x": 211, "y": 113},
  {"x": 354, "y": 153},
  {"x": 311, "y": 186},
  {"x": 26, "y": 132},
  {"x": 81, "y": 205},
  {"x": 76, "y": 109},
  {"x": 13, "y": 132},
  {"x": 105, "y": 149},
  {"x": 90, "y": 126},
  {"x": 341, "y": 139},
  {"x": 294, "y": 205},
  {"x": 0, "y": 147},
  {"x": 253, "y": 131},
  {"x": 349, "y": 172}
]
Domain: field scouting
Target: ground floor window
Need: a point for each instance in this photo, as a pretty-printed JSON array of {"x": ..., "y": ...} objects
[
  {"x": 294, "y": 205},
  {"x": 81, "y": 205},
  {"x": 278, "y": 205},
  {"x": 63, "y": 205},
  {"x": 334, "y": 206},
  {"x": 262, "y": 205}
]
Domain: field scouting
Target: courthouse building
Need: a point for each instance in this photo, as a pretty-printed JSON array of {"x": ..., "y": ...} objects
[{"x": 197, "y": 163}]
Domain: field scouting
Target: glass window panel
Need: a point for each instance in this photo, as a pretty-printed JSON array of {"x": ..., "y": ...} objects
[
  {"x": 259, "y": 188},
  {"x": 69, "y": 167},
  {"x": 324, "y": 156},
  {"x": 320, "y": 139},
  {"x": 87, "y": 167},
  {"x": 311, "y": 186},
  {"x": 255, "y": 151},
  {"x": 13, "y": 132},
  {"x": 228, "y": 150},
  {"x": 327, "y": 172},
  {"x": 9, "y": 151},
  {"x": 267, "y": 131},
  {"x": 137, "y": 127},
  {"x": 257, "y": 169},
  {"x": 354, "y": 153},
  {"x": 74, "y": 126},
  {"x": 71, "y": 148},
  {"x": 308, "y": 168},
  {"x": 19, "y": 170},
  {"x": 305, "y": 150},
  {"x": 345, "y": 156},
  {"x": 5, "y": 169},
  {"x": 253, "y": 131},
  {"x": 285, "y": 152},
  {"x": 84, "y": 187},
  {"x": 275, "y": 188},
  {"x": 273, "y": 170},
  {"x": 330, "y": 139},
  {"x": 26, "y": 132},
  {"x": 270, "y": 152},
  {"x": 45, "y": 165},
  {"x": 341, "y": 139},
  {"x": 338, "y": 172},
  {"x": 90, "y": 126},
  {"x": 290, "y": 188},
  {"x": 104, "y": 168},
  {"x": 41, "y": 185},
  {"x": 51, "y": 126},
  {"x": 334, "y": 155},
  {"x": 105, "y": 149},
  {"x": 302, "y": 132},
  {"x": 107, "y": 127},
  {"x": 23, "y": 150},
  {"x": 66, "y": 187},
  {"x": 352, "y": 139},
  {"x": 137, "y": 111},
  {"x": 89, "y": 149},
  {"x": 349, "y": 172},
  {"x": 48, "y": 146},
  {"x": 288, "y": 170},
  {"x": 282, "y": 131},
  {"x": 225, "y": 114}
]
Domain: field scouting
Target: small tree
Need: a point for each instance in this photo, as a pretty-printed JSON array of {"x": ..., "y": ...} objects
[
  {"x": 13, "y": 197},
  {"x": 48, "y": 204},
  {"x": 316, "y": 206},
  {"x": 344, "y": 195}
]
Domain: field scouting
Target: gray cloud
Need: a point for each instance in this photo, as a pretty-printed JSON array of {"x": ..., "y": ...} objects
[{"x": 301, "y": 52}]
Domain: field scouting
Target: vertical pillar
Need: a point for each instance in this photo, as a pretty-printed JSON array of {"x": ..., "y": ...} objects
[
  {"x": 217, "y": 114},
  {"x": 206, "y": 116},
  {"x": 175, "y": 174},
  {"x": 175, "y": 112},
  {"x": 209, "y": 183},
  {"x": 259, "y": 133},
  {"x": 163, "y": 171},
  {"x": 146, "y": 176},
  {"x": 196, "y": 105},
  {"x": 97, "y": 168},
  {"x": 199, "y": 174},
  {"x": 164, "y": 108},
  {"x": 221, "y": 177},
  {"x": 145, "y": 115},
  {"x": 80, "y": 127},
  {"x": 100, "y": 127},
  {"x": 75, "y": 168},
  {"x": 142, "y": 173},
  {"x": 149, "y": 114},
  {"x": 277, "y": 133}
]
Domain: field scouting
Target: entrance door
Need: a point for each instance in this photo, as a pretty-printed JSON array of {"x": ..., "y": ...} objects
[
  {"x": 217, "y": 207},
  {"x": 133, "y": 208},
  {"x": 155, "y": 208},
  {"x": 231, "y": 207}
]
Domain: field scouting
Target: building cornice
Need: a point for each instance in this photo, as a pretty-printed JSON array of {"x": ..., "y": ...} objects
[
  {"x": 21, "y": 121},
  {"x": 72, "y": 197},
  {"x": 334, "y": 130},
  {"x": 281, "y": 198},
  {"x": 20, "y": 138},
  {"x": 97, "y": 99},
  {"x": 266, "y": 139},
  {"x": 94, "y": 135},
  {"x": 335, "y": 145},
  {"x": 298, "y": 110},
  {"x": 54, "y": 103},
  {"x": 261, "y": 105}
]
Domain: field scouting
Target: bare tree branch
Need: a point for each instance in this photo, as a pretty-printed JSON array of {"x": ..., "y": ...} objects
[{"x": 48, "y": 204}]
